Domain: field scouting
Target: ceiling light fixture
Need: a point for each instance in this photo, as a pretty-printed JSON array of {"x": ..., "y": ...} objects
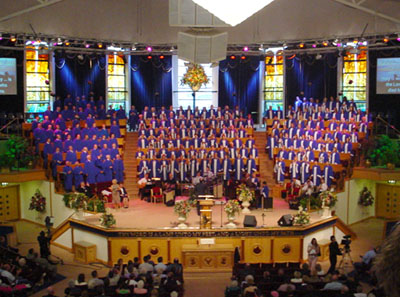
[{"x": 233, "y": 12}]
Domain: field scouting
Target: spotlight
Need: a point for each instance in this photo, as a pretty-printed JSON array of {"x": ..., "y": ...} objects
[
  {"x": 13, "y": 39},
  {"x": 149, "y": 57},
  {"x": 246, "y": 48},
  {"x": 149, "y": 49},
  {"x": 100, "y": 45},
  {"x": 67, "y": 43},
  {"x": 325, "y": 43},
  {"x": 162, "y": 57},
  {"x": 87, "y": 45},
  {"x": 355, "y": 41},
  {"x": 391, "y": 181},
  {"x": 302, "y": 45},
  {"x": 398, "y": 37},
  {"x": 314, "y": 45},
  {"x": 386, "y": 39},
  {"x": 233, "y": 57},
  {"x": 243, "y": 57},
  {"x": 1, "y": 36}
]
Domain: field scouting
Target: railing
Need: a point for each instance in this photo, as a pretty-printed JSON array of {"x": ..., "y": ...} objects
[
  {"x": 12, "y": 127},
  {"x": 381, "y": 126}
]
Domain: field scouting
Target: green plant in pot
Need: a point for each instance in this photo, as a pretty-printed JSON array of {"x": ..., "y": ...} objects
[
  {"x": 19, "y": 153},
  {"x": 386, "y": 152},
  {"x": 5, "y": 163}
]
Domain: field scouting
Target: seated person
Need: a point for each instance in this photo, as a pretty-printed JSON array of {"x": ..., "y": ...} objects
[{"x": 85, "y": 189}]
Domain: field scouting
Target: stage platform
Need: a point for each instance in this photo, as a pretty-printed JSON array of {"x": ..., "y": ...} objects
[{"x": 151, "y": 229}]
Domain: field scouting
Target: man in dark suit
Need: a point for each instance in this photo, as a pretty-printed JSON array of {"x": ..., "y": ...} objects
[
  {"x": 200, "y": 189},
  {"x": 334, "y": 251}
]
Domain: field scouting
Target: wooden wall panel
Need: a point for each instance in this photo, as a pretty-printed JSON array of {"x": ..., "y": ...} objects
[
  {"x": 287, "y": 249},
  {"x": 257, "y": 250},
  {"x": 125, "y": 249},
  {"x": 155, "y": 247}
]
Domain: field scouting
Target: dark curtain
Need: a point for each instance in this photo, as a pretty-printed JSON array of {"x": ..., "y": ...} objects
[
  {"x": 77, "y": 76},
  {"x": 239, "y": 82},
  {"x": 317, "y": 78},
  {"x": 385, "y": 104},
  {"x": 14, "y": 103},
  {"x": 151, "y": 81}
]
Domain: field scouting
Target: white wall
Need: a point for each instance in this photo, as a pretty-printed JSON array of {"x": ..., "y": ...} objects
[
  {"x": 99, "y": 241},
  {"x": 65, "y": 239},
  {"x": 54, "y": 205},
  {"x": 356, "y": 211},
  {"x": 341, "y": 205}
]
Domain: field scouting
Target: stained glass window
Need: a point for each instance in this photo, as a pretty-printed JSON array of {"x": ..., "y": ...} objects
[
  {"x": 116, "y": 86},
  {"x": 203, "y": 96},
  {"x": 37, "y": 80},
  {"x": 273, "y": 82},
  {"x": 355, "y": 78}
]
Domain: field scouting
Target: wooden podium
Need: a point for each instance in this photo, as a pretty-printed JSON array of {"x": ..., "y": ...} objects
[{"x": 206, "y": 213}]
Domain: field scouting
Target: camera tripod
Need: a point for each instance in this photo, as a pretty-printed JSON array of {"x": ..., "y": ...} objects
[{"x": 346, "y": 261}]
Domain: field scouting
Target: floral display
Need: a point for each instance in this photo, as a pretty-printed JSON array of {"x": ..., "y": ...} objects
[
  {"x": 232, "y": 207},
  {"x": 328, "y": 199},
  {"x": 38, "y": 202},
  {"x": 76, "y": 200},
  {"x": 182, "y": 208},
  {"x": 107, "y": 220},
  {"x": 195, "y": 77},
  {"x": 366, "y": 198},
  {"x": 244, "y": 193},
  {"x": 302, "y": 217}
]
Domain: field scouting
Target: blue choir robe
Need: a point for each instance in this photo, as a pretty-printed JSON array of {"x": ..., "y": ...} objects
[
  {"x": 213, "y": 142},
  {"x": 299, "y": 132},
  {"x": 253, "y": 152},
  {"x": 269, "y": 114},
  {"x": 182, "y": 169},
  {"x": 328, "y": 136},
  {"x": 114, "y": 129},
  {"x": 338, "y": 146},
  {"x": 335, "y": 158},
  {"x": 239, "y": 169},
  {"x": 154, "y": 168},
  {"x": 108, "y": 170},
  {"x": 250, "y": 143},
  {"x": 279, "y": 114},
  {"x": 224, "y": 143},
  {"x": 347, "y": 148},
  {"x": 304, "y": 171},
  {"x": 328, "y": 175},
  {"x": 291, "y": 155},
  {"x": 139, "y": 155},
  {"x": 164, "y": 170},
  {"x": 300, "y": 156},
  {"x": 271, "y": 144},
  {"x": 173, "y": 168},
  {"x": 68, "y": 176},
  {"x": 279, "y": 170},
  {"x": 83, "y": 157},
  {"x": 317, "y": 135},
  {"x": 221, "y": 154},
  {"x": 101, "y": 133},
  {"x": 323, "y": 157},
  {"x": 292, "y": 132},
  {"x": 142, "y": 143},
  {"x": 344, "y": 137},
  {"x": 95, "y": 153},
  {"x": 294, "y": 170},
  {"x": 113, "y": 153},
  {"x": 71, "y": 157},
  {"x": 47, "y": 149},
  {"x": 343, "y": 126},
  {"x": 144, "y": 167},
  {"x": 151, "y": 154},
  {"x": 56, "y": 161},
  {"x": 215, "y": 166},
  {"x": 78, "y": 145},
  {"x": 232, "y": 153},
  {"x": 244, "y": 153},
  {"x": 282, "y": 154},
  {"x": 316, "y": 175},
  {"x": 310, "y": 155},
  {"x": 193, "y": 167},
  {"x": 237, "y": 143},
  {"x": 296, "y": 144},
  {"x": 287, "y": 142},
  {"x": 226, "y": 169},
  {"x": 242, "y": 133},
  {"x": 251, "y": 166},
  {"x": 265, "y": 191},
  {"x": 203, "y": 166},
  {"x": 78, "y": 175}
]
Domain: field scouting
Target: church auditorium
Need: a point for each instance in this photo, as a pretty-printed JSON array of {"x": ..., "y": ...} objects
[{"x": 194, "y": 147}]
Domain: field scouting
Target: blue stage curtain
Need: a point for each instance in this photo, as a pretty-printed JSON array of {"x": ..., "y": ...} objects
[
  {"x": 239, "y": 83},
  {"x": 316, "y": 78},
  {"x": 80, "y": 77},
  {"x": 151, "y": 81}
]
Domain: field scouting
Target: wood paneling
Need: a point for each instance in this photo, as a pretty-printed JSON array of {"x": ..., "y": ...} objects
[
  {"x": 9, "y": 203},
  {"x": 257, "y": 250},
  {"x": 287, "y": 249},
  {"x": 388, "y": 201}
]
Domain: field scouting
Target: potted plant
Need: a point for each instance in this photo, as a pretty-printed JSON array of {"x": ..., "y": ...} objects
[
  {"x": 231, "y": 208},
  {"x": 366, "y": 198},
  {"x": 328, "y": 200},
  {"x": 38, "y": 203},
  {"x": 386, "y": 152},
  {"x": 96, "y": 205},
  {"x": 302, "y": 217},
  {"x": 76, "y": 201},
  {"x": 246, "y": 196},
  {"x": 182, "y": 208},
  {"x": 107, "y": 220}
]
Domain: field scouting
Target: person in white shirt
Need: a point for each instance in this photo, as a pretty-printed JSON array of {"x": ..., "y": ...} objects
[
  {"x": 313, "y": 253},
  {"x": 160, "y": 265}
]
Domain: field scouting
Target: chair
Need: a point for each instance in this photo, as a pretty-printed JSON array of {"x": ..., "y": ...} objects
[{"x": 156, "y": 195}]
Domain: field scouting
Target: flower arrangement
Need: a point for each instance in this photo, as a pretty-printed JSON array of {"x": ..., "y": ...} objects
[
  {"x": 244, "y": 193},
  {"x": 232, "y": 207},
  {"x": 195, "y": 77},
  {"x": 107, "y": 220},
  {"x": 366, "y": 198},
  {"x": 96, "y": 205},
  {"x": 38, "y": 202},
  {"x": 302, "y": 217},
  {"x": 328, "y": 199},
  {"x": 182, "y": 208},
  {"x": 76, "y": 201}
]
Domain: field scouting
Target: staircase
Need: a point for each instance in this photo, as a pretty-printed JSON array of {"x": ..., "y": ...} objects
[
  {"x": 266, "y": 165},
  {"x": 130, "y": 164}
]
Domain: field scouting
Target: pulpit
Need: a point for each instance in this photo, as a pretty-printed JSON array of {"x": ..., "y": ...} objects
[{"x": 206, "y": 213}]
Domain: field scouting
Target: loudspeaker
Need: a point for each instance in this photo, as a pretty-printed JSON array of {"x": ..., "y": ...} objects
[
  {"x": 267, "y": 202},
  {"x": 286, "y": 220},
  {"x": 250, "y": 221}
]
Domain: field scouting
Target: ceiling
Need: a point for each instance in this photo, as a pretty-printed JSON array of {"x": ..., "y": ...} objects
[{"x": 146, "y": 21}]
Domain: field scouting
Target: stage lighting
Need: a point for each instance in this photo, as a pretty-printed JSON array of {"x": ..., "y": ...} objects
[
  {"x": 67, "y": 43},
  {"x": 314, "y": 45},
  {"x": 100, "y": 45},
  {"x": 246, "y": 48},
  {"x": 233, "y": 57},
  {"x": 149, "y": 57},
  {"x": 355, "y": 41},
  {"x": 1, "y": 36},
  {"x": 87, "y": 45},
  {"x": 243, "y": 57},
  {"x": 386, "y": 39},
  {"x": 325, "y": 43},
  {"x": 162, "y": 57},
  {"x": 13, "y": 39},
  {"x": 398, "y": 37},
  {"x": 149, "y": 49},
  {"x": 302, "y": 45}
]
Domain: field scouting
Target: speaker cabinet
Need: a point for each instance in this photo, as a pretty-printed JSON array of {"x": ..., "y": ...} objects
[
  {"x": 286, "y": 220},
  {"x": 250, "y": 221}
]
